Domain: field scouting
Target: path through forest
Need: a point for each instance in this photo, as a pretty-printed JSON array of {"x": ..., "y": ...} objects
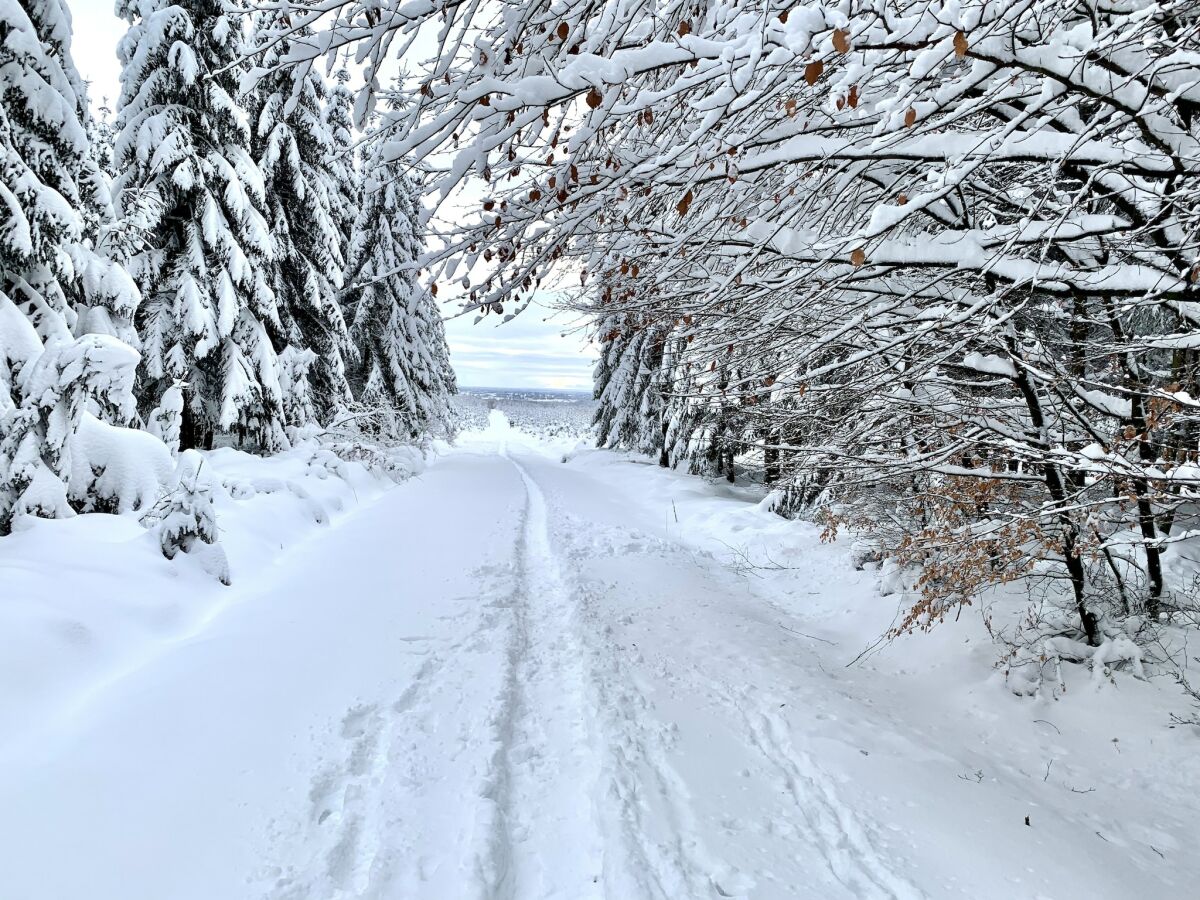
[{"x": 515, "y": 678}]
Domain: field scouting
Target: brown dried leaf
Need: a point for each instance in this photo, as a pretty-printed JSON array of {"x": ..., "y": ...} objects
[
  {"x": 683, "y": 205},
  {"x": 858, "y": 257},
  {"x": 910, "y": 117},
  {"x": 563, "y": 30},
  {"x": 594, "y": 98},
  {"x": 685, "y": 28},
  {"x": 813, "y": 71},
  {"x": 841, "y": 41},
  {"x": 960, "y": 44}
]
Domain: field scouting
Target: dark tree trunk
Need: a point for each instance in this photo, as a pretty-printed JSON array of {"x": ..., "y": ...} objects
[
  {"x": 1056, "y": 487},
  {"x": 771, "y": 461},
  {"x": 189, "y": 428}
]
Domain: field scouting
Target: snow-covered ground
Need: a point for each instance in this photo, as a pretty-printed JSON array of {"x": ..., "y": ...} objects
[{"x": 537, "y": 670}]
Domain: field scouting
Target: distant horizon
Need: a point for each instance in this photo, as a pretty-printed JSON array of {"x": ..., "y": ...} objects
[{"x": 538, "y": 390}]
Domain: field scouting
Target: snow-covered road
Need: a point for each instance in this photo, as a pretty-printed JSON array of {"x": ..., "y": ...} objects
[{"x": 514, "y": 678}]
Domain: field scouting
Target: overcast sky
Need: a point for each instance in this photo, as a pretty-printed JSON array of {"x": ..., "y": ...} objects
[{"x": 540, "y": 348}]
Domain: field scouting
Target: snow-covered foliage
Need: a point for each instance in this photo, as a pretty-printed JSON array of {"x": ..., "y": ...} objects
[
  {"x": 43, "y": 146},
  {"x": 401, "y": 359},
  {"x": 377, "y": 437},
  {"x": 208, "y": 306},
  {"x": 294, "y": 148},
  {"x": 933, "y": 266},
  {"x": 347, "y": 182},
  {"x": 54, "y": 452},
  {"x": 628, "y": 385},
  {"x": 186, "y": 519},
  {"x": 239, "y": 256},
  {"x": 54, "y": 285},
  {"x": 166, "y": 419}
]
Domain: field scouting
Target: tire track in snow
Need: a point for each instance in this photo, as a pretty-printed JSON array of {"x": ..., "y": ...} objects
[
  {"x": 546, "y": 842},
  {"x": 654, "y": 849}
]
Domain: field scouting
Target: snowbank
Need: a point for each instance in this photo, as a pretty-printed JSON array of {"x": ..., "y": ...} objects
[{"x": 90, "y": 597}]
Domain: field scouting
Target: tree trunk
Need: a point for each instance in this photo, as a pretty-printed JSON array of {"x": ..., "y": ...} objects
[
  {"x": 189, "y": 436},
  {"x": 771, "y": 461},
  {"x": 1056, "y": 487}
]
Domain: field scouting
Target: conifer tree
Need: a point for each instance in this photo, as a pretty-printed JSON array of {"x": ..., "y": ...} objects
[
  {"x": 347, "y": 196},
  {"x": 295, "y": 150},
  {"x": 49, "y": 271},
  {"x": 402, "y": 358},
  {"x": 626, "y": 384},
  {"x": 42, "y": 148},
  {"x": 207, "y": 304}
]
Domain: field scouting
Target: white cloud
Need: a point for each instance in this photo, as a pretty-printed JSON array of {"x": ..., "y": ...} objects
[{"x": 539, "y": 348}]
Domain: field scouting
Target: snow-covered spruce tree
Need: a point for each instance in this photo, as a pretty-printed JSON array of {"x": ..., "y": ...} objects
[
  {"x": 402, "y": 360},
  {"x": 186, "y": 519},
  {"x": 91, "y": 287},
  {"x": 54, "y": 284},
  {"x": 295, "y": 152},
  {"x": 42, "y": 148},
  {"x": 628, "y": 386},
  {"x": 207, "y": 304},
  {"x": 347, "y": 183}
]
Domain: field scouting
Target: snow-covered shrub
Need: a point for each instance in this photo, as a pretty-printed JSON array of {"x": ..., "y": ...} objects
[
  {"x": 116, "y": 469},
  {"x": 185, "y": 520},
  {"x": 1031, "y": 668},
  {"x": 40, "y": 453},
  {"x": 377, "y": 436}
]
